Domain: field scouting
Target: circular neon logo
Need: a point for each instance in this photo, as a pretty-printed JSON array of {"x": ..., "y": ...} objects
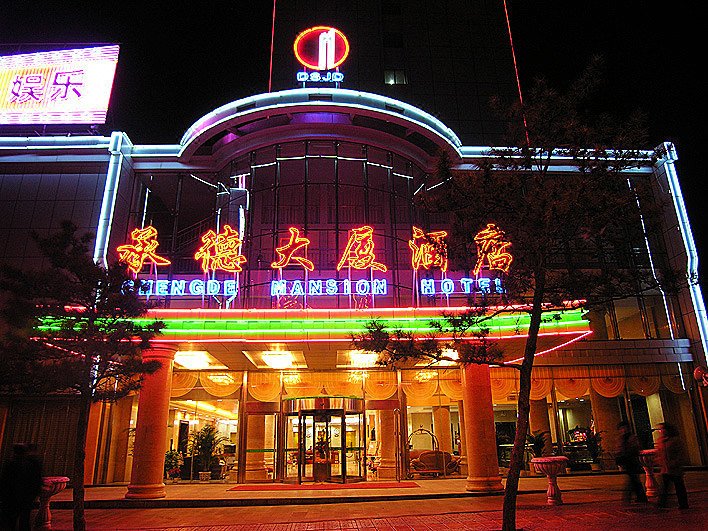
[{"x": 321, "y": 48}]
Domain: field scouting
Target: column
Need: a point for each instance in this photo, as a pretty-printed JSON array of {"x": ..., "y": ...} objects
[
  {"x": 607, "y": 416},
  {"x": 540, "y": 423},
  {"x": 151, "y": 427},
  {"x": 255, "y": 458},
  {"x": 388, "y": 448},
  {"x": 441, "y": 427},
  {"x": 463, "y": 439},
  {"x": 482, "y": 463}
]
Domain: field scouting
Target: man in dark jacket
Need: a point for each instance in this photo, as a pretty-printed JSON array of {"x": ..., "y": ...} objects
[
  {"x": 671, "y": 457},
  {"x": 20, "y": 486},
  {"x": 628, "y": 459}
]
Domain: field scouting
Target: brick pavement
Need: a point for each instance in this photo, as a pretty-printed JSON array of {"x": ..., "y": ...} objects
[{"x": 591, "y": 502}]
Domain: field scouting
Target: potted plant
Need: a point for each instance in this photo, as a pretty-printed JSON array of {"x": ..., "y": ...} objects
[
  {"x": 538, "y": 446},
  {"x": 204, "y": 445},
  {"x": 173, "y": 464}
]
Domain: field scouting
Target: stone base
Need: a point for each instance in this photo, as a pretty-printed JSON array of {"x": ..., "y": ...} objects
[
  {"x": 146, "y": 492},
  {"x": 479, "y": 484}
]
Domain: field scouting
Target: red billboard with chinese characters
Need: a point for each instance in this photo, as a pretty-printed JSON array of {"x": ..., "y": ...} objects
[{"x": 57, "y": 87}]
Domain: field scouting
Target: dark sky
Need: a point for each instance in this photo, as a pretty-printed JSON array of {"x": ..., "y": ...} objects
[{"x": 180, "y": 60}]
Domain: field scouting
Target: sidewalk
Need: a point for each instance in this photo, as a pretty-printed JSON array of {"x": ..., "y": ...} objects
[{"x": 591, "y": 502}]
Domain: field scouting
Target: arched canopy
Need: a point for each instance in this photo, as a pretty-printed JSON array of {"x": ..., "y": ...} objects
[{"x": 318, "y": 113}]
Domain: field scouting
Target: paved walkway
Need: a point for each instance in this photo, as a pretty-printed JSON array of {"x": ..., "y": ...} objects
[{"x": 591, "y": 502}]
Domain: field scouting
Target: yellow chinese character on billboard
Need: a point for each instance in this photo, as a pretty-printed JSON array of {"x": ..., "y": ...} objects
[
  {"x": 143, "y": 250},
  {"x": 285, "y": 253},
  {"x": 429, "y": 250},
  {"x": 359, "y": 253},
  {"x": 221, "y": 251},
  {"x": 492, "y": 248}
]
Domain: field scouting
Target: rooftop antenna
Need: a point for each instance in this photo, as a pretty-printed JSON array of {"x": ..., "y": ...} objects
[
  {"x": 516, "y": 71},
  {"x": 272, "y": 38}
]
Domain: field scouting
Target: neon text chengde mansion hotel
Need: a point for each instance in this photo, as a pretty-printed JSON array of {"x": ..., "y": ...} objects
[{"x": 279, "y": 225}]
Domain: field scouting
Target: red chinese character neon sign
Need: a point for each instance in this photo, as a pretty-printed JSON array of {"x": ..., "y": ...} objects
[
  {"x": 359, "y": 253},
  {"x": 221, "y": 251},
  {"x": 492, "y": 247},
  {"x": 429, "y": 250},
  {"x": 286, "y": 252},
  {"x": 143, "y": 250}
]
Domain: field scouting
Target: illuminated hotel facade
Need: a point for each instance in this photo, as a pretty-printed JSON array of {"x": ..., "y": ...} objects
[{"x": 278, "y": 226}]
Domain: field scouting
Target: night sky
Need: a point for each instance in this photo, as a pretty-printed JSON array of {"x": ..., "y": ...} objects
[{"x": 180, "y": 60}]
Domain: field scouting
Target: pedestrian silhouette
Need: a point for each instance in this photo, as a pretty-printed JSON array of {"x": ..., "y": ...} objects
[
  {"x": 628, "y": 458},
  {"x": 20, "y": 485},
  {"x": 671, "y": 458}
]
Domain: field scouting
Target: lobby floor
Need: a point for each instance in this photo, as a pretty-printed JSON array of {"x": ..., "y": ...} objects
[{"x": 590, "y": 502}]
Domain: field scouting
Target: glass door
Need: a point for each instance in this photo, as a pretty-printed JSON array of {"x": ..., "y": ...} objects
[
  {"x": 337, "y": 455},
  {"x": 354, "y": 456}
]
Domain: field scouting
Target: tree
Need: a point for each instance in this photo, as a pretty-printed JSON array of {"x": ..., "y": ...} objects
[
  {"x": 579, "y": 232},
  {"x": 69, "y": 329}
]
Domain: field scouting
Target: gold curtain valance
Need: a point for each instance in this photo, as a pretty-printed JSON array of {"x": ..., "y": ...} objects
[
  {"x": 676, "y": 378},
  {"x": 642, "y": 380},
  {"x": 571, "y": 382},
  {"x": 183, "y": 383},
  {"x": 541, "y": 382},
  {"x": 380, "y": 385},
  {"x": 221, "y": 384},
  {"x": 420, "y": 384},
  {"x": 607, "y": 380},
  {"x": 344, "y": 384},
  {"x": 264, "y": 386},
  {"x": 503, "y": 381},
  {"x": 451, "y": 383}
]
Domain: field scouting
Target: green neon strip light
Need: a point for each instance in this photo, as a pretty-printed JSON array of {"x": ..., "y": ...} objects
[{"x": 290, "y": 327}]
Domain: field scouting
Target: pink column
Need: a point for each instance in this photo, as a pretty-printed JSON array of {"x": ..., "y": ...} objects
[
  {"x": 151, "y": 428},
  {"x": 482, "y": 464}
]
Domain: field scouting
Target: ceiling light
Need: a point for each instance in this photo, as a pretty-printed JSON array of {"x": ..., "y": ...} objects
[
  {"x": 197, "y": 360},
  {"x": 277, "y": 359},
  {"x": 360, "y": 358}
]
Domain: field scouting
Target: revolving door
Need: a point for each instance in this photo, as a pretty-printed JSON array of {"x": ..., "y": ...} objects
[{"x": 324, "y": 440}]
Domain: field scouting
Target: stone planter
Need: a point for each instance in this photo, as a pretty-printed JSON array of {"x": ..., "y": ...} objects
[
  {"x": 647, "y": 458},
  {"x": 551, "y": 467},
  {"x": 204, "y": 476},
  {"x": 50, "y": 486}
]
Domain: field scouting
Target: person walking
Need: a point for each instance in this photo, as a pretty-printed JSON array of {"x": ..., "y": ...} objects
[
  {"x": 671, "y": 458},
  {"x": 20, "y": 486},
  {"x": 628, "y": 458}
]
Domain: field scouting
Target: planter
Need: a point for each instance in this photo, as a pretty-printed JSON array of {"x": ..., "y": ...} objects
[
  {"x": 204, "y": 476},
  {"x": 647, "y": 459},
  {"x": 50, "y": 486},
  {"x": 551, "y": 467}
]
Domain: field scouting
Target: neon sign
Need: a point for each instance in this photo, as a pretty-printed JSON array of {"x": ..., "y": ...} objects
[
  {"x": 142, "y": 251},
  {"x": 330, "y": 286},
  {"x": 359, "y": 253},
  {"x": 448, "y": 286},
  {"x": 429, "y": 250},
  {"x": 221, "y": 251},
  {"x": 492, "y": 247},
  {"x": 321, "y": 48},
  {"x": 181, "y": 287},
  {"x": 286, "y": 252},
  {"x": 60, "y": 87}
]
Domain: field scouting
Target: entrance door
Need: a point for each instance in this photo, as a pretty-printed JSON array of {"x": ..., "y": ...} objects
[{"x": 322, "y": 446}]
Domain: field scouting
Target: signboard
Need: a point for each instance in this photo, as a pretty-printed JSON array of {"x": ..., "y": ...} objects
[
  {"x": 320, "y": 50},
  {"x": 222, "y": 252},
  {"x": 57, "y": 87}
]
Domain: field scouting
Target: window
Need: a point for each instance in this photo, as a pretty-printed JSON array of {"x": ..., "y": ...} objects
[{"x": 395, "y": 77}]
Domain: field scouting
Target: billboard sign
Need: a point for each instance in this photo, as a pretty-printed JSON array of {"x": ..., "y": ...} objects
[
  {"x": 320, "y": 50},
  {"x": 57, "y": 87}
]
